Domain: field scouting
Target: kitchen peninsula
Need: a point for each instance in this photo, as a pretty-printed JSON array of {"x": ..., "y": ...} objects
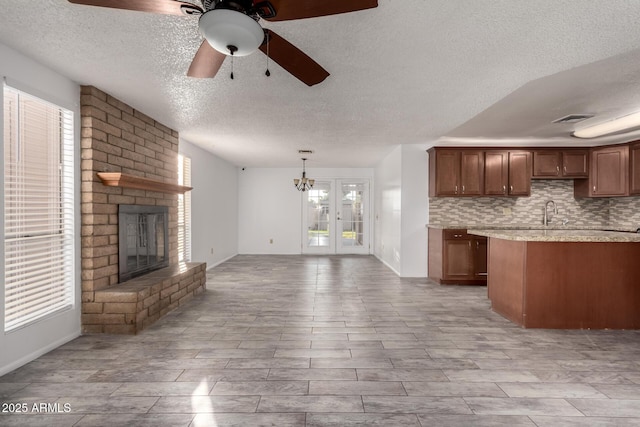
[{"x": 567, "y": 279}]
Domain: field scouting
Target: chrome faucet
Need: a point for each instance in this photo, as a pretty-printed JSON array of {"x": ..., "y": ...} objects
[{"x": 546, "y": 218}]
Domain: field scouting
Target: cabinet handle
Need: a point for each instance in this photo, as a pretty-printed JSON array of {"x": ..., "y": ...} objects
[
  {"x": 594, "y": 188},
  {"x": 463, "y": 189},
  {"x": 457, "y": 235},
  {"x": 477, "y": 244},
  {"x": 504, "y": 189},
  {"x": 558, "y": 169},
  {"x": 564, "y": 169},
  {"x": 511, "y": 188},
  {"x": 456, "y": 188}
]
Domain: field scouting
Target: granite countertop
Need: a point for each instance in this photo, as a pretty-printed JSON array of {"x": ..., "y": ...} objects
[
  {"x": 551, "y": 235},
  {"x": 569, "y": 226}
]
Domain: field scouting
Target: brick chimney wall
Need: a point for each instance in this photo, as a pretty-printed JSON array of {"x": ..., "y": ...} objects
[{"x": 117, "y": 138}]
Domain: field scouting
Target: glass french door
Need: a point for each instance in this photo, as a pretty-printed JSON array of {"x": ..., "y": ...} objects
[{"x": 336, "y": 217}]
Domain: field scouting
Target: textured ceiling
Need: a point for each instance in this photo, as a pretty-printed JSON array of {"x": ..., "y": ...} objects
[{"x": 409, "y": 71}]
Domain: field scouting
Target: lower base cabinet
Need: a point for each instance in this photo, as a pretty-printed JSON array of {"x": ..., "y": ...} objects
[{"x": 456, "y": 257}]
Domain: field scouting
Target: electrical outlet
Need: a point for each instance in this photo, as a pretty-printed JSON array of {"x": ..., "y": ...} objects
[{"x": 506, "y": 211}]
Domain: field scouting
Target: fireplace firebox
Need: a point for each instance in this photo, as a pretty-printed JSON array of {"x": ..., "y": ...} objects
[{"x": 143, "y": 239}]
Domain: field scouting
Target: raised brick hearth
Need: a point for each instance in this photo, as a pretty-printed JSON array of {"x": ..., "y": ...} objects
[
  {"x": 132, "y": 306},
  {"x": 117, "y": 138}
]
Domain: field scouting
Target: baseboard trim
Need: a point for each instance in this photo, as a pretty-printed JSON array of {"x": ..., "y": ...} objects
[
  {"x": 221, "y": 261},
  {"x": 39, "y": 352},
  {"x": 388, "y": 265}
]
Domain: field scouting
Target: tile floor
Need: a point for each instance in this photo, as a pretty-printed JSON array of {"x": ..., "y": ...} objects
[{"x": 333, "y": 341}]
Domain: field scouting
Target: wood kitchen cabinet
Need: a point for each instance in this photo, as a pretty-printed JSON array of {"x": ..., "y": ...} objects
[
  {"x": 456, "y": 257},
  {"x": 634, "y": 169},
  {"x": 496, "y": 173},
  {"x": 560, "y": 164},
  {"x": 609, "y": 173},
  {"x": 480, "y": 264},
  {"x": 507, "y": 173},
  {"x": 456, "y": 172},
  {"x": 519, "y": 173}
]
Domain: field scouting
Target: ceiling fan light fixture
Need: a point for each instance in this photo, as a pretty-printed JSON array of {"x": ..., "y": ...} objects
[{"x": 225, "y": 28}]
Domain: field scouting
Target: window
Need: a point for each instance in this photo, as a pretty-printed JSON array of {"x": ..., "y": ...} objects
[
  {"x": 184, "y": 209},
  {"x": 38, "y": 209}
]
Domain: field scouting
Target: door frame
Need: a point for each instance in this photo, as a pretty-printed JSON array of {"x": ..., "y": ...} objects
[{"x": 335, "y": 186}]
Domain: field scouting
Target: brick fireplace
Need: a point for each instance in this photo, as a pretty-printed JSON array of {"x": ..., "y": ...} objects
[{"x": 117, "y": 138}]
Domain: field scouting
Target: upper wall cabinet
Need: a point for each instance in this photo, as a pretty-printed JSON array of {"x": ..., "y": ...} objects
[
  {"x": 466, "y": 172},
  {"x": 557, "y": 164},
  {"x": 496, "y": 174},
  {"x": 507, "y": 173},
  {"x": 634, "y": 170},
  {"x": 609, "y": 173},
  {"x": 519, "y": 173},
  {"x": 456, "y": 172}
]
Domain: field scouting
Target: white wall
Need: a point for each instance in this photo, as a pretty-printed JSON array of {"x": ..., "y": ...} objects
[
  {"x": 415, "y": 211},
  {"x": 388, "y": 210},
  {"x": 402, "y": 210},
  {"x": 214, "y": 206},
  {"x": 269, "y": 207},
  {"x": 21, "y": 346}
]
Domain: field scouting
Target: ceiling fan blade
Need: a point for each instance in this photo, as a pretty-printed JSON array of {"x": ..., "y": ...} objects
[
  {"x": 297, "y": 9},
  {"x": 166, "y": 7},
  {"x": 292, "y": 59},
  {"x": 206, "y": 63}
]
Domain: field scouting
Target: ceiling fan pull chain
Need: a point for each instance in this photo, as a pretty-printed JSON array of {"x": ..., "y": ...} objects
[
  {"x": 267, "y": 73},
  {"x": 232, "y": 49}
]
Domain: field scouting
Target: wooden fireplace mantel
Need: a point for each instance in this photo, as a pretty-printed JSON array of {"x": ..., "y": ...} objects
[{"x": 118, "y": 179}]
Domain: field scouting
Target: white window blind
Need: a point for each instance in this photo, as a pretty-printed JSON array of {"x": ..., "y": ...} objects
[
  {"x": 184, "y": 209},
  {"x": 38, "y": 209}
]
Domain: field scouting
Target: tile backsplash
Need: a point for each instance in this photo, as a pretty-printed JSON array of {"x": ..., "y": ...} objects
[{"x": 623, "y": 213}]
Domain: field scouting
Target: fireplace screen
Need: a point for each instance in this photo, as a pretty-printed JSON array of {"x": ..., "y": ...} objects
[{"x": 143, "y": 239}]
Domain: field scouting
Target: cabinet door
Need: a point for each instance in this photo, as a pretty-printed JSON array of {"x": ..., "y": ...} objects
[
  {"x": 471, "y": 173},
  {"x": 519, "y": 173},
  {"x": 575, "y": 164},
  {"x": 458, "y": 258},
  {"x": 610, "y": 171},
  {"x": 496, "y": 177},
  {"x": 634, "y": 178},
  {"x": 547, "y": 164},
  {"x": 479, "y": 247},
  {"x": 447, "y": 172}
]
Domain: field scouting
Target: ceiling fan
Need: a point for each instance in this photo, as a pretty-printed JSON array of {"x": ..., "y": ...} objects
[{"x": 231, "y": 28}]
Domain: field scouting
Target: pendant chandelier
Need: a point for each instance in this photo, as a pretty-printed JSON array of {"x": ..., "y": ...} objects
[{"x": 303, "y": 183}]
